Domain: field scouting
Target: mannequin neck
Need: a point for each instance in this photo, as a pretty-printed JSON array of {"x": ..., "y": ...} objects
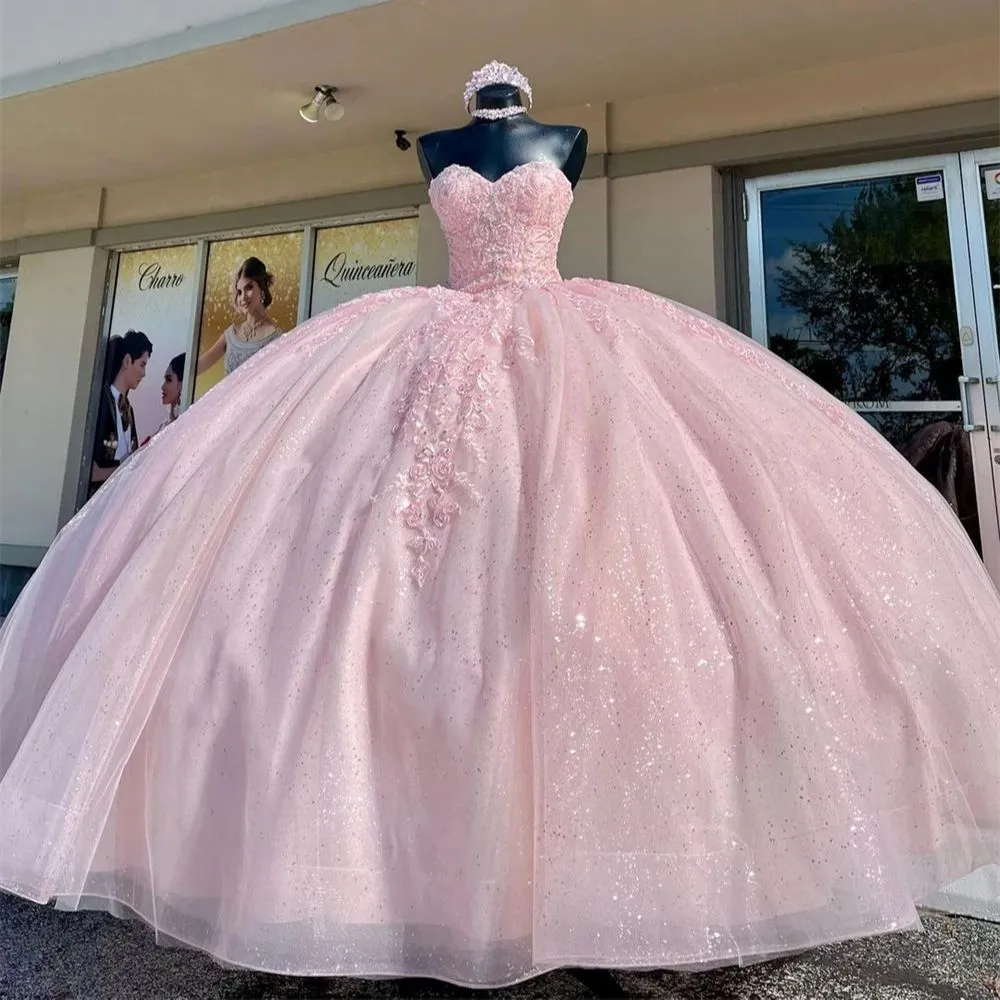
[{"x": 497, "y": 96}]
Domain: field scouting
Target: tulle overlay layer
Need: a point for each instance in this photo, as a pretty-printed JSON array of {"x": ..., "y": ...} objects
[{"x": 472, "y": 635}]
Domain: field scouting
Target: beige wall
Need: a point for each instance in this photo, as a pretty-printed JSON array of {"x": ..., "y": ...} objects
[
  {"x": 905, "y": 81},
  {"x": 271, "y": 181},
  {"x": 51, "y": 212},
  {"x": 583, "y": 252},
  {"x": 771, "y": 100},
  {"x": 46, "y": 389},
  {"x": 432, "y": 254},
  {"x": 666, "y": 235}
]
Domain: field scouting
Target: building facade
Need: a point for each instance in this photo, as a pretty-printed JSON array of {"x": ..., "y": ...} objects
[{"x": 827, "y": 181}]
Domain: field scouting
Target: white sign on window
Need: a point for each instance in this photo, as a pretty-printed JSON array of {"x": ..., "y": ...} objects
[
  {"x": 930, "y": 187},
  {"x": 991, "y": 175}
]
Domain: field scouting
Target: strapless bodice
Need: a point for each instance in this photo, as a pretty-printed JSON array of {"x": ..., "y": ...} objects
[{"x": 502, "y": 233}]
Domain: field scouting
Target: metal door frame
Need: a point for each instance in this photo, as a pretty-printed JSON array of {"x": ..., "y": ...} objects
[{"x": 983, "y": 332}]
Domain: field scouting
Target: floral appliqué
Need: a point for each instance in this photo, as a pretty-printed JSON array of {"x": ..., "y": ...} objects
[
  {"x": 446, "y": 406},
  {"x": 503, "y": 237}
]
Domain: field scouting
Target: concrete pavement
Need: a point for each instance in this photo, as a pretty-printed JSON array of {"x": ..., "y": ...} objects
[{"x": 50, "y": 955}]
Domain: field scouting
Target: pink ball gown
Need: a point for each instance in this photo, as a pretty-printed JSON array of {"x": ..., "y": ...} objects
[{"x": 469, "y": 632}]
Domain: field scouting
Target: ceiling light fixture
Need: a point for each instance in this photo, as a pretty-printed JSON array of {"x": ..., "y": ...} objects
[{"x": 324, "y": 103}]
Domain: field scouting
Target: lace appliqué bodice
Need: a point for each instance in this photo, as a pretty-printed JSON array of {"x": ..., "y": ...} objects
[
  {"x": 503, "y": 233},
  {"x": 503, "y": 236}
]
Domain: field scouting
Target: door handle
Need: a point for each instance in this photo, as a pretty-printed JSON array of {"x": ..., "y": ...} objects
[
  {"x": 994, "y": 381},
  {"x": 964, "y": 381}
]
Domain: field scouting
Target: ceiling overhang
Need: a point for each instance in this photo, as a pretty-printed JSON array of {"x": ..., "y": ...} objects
[{"x": 49, "y": 43}]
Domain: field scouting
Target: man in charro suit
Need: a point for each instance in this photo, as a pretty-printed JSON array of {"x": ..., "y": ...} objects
[{"x": 117, "y": 437}]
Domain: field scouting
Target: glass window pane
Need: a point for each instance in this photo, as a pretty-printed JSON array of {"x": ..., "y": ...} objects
[
  {"x": 990, "y": 181},
  {"x": 8, "y": 285},
  {"x": 859, "y": 287}
]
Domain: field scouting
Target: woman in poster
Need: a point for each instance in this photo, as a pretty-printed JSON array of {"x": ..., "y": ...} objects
[
  {"x": 253, "y": 328},
  {"x": 173, "y": 387},
  {"x": 171, "y": 392}
]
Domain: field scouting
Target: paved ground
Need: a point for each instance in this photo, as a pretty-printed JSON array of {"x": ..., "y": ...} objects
[{"x": 47, "y": 955}]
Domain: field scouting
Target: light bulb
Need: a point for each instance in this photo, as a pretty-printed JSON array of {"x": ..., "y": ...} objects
[
  {"x": 310, "y": 112},
  {"x": 324, "y": 103}
]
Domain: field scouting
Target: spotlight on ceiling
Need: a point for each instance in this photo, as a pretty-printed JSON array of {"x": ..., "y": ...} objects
[
  {"x": 402, "y": 143},
  {"x": 324, "y": 103}
]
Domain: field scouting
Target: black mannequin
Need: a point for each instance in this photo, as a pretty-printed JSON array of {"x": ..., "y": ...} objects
[{"x": 493, "y": 148}]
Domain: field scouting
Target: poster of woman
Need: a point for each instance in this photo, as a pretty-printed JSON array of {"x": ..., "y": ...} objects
[{"x": 251, "y": 298}]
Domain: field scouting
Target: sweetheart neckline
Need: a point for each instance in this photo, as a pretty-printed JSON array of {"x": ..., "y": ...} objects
[{"x": 513, "y": 170}]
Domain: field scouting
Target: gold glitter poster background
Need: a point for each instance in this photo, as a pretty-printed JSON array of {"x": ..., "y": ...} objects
[
  {"x": 368, "y": 257},
  {"x": 282, "y": 255}
]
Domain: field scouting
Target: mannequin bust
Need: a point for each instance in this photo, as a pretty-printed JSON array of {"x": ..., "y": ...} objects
[{"x": 501, "y": 137}]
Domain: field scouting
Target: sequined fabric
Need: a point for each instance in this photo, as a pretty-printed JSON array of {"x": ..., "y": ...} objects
[{"x": 468, "y": 632}]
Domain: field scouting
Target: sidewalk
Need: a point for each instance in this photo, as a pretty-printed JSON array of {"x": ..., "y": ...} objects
[{"x": 47, "y": 955}]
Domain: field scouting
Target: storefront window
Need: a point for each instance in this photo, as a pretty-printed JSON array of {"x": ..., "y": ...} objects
[
  {"x": 12, "y": 578},
  {"x": 8, "y": 285},
  {"x": 860, "y": 290},
  {"x": 206, "y": 307}
]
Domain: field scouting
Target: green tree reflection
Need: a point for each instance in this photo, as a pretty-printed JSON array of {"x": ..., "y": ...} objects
[{"x": 875, "y": 300}]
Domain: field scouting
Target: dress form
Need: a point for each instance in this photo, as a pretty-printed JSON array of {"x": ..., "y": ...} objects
[{"x": 494, "y": 147}]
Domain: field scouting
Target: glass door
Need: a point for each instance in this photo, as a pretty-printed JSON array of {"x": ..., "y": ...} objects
[
  {"x": 861, "y": 277},
  {"x": 981, "y": 192}
]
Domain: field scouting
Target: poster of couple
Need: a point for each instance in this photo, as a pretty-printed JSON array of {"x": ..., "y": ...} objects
[{"x": 154, "y": 299}]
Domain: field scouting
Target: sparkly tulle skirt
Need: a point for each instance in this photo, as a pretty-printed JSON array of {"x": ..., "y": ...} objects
[{"x": 468, "y": 636}]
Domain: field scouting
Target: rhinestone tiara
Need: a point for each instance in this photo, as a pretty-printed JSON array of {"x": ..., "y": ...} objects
[{"x": 496, "y": 72}]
